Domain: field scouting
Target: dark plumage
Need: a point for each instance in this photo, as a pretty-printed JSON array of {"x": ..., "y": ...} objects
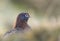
[
  {"x": 21, "y": 21},
  {"x": 21, "y": 24}
]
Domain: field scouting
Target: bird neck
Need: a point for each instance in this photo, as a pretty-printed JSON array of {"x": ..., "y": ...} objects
[{"x": 21, "y": 24}]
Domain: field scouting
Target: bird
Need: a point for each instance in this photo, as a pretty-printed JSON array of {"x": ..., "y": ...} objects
[{"x": 21, "y": 25}]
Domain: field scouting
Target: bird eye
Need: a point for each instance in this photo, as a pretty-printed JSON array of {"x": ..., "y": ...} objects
[{"x": 26, "y": 15}]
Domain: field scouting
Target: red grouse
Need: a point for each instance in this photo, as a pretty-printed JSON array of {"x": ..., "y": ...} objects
[{"x": 20, "y": 26}]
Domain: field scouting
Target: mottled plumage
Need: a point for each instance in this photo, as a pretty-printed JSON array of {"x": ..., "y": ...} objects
[{"x": 21, "y": 25}]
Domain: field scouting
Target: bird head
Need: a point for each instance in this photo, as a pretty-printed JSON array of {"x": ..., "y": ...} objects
[{"x": 23, "y": 17}]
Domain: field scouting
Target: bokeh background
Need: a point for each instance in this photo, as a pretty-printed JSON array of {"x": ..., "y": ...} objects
[{"x": 44, "y": 20}]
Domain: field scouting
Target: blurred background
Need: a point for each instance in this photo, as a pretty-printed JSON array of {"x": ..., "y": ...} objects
[{"x": 44, "y": 20}]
